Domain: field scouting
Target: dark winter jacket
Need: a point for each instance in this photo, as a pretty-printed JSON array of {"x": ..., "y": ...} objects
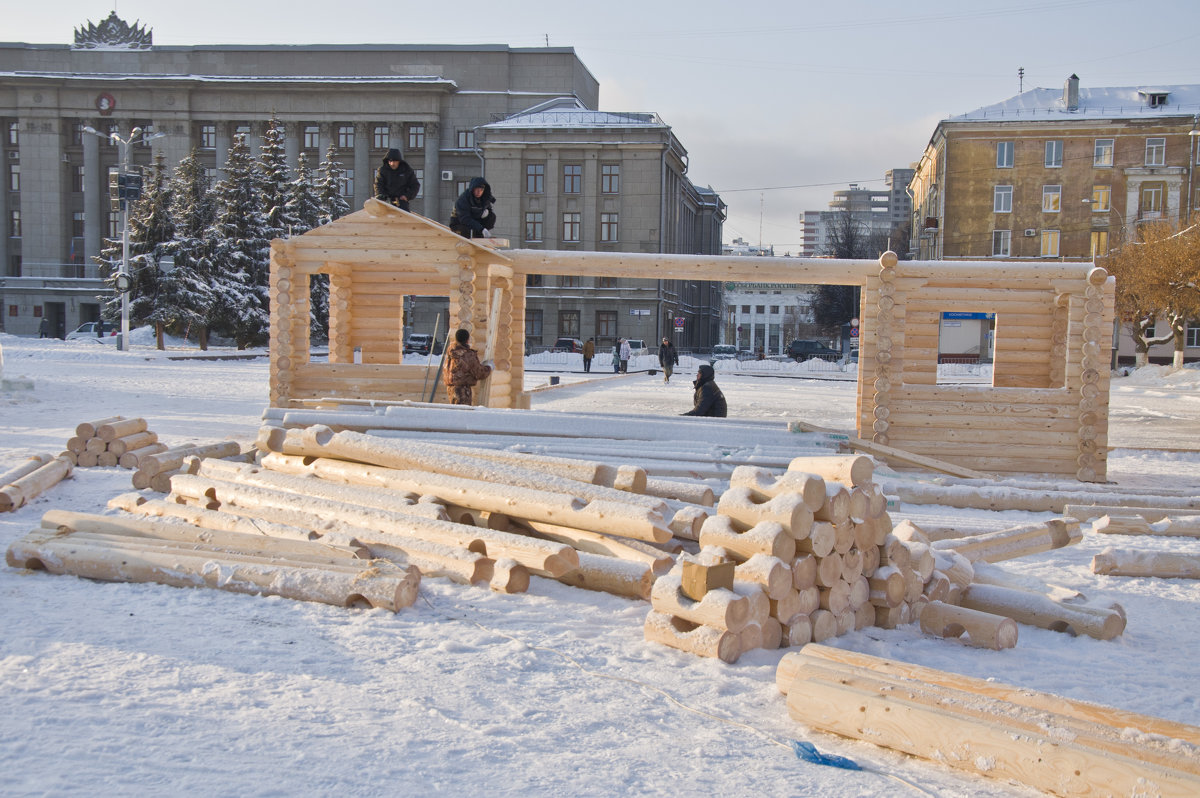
[
  {"x": 667, "y": 356},
  {"x": 392, "y": 184},
  {"x": 472, "y": 215},
  {"x": 708, "y": 401},
  {"x": 463, "y": 366}
]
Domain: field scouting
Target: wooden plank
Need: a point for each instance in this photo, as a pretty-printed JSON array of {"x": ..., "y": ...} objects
[{"x": 893, "y": 454}]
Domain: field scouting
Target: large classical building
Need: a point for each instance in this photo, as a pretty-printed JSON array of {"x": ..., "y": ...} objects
[{"x": 431, "y": 102}]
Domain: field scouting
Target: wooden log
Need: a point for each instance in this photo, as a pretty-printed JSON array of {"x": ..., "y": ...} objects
[
  {"x": 610, "y": 575},
  {"x": 852, "y": 565},
  {"x": 937, "y": 586},
  {"x": 1038, "y": 501},
  {"x": 836, "y": 598},
  {"x": 94, "y": 446},
  {"x": 33, "y": 463},
  {"x": 824, "y": 625},
  {"x": 719, "y": 609},
  {"x": 698, "y": 578},
  {"x": 584, "y": 540},
  {"x": 1089, "y": 512},
  {"x": 382, "y": 585},
  {"x": 797, "y": 631},
  {"x": 786, "y": 509},
  {"x": 133, "y": 457},
  {"x": 687, "y": 521},
  {"x": 853, "y": 470},
  {"x": 88, "y": 428},
  {"x": 161, "y": 482},
  {"x": 1187, "y": 526},
  {"x": 759, "y": 604},
  {"x": 804, "y": 571},
  {"x": 766, "y": 484},
  {"x": 768, "y": 538},
  {"x": 887, "y": 587},
  {"x": 843, "y": 537},
  {"x": 173, "y": 458},
  {"x": 106, "y": 460},
  {"x": 836, "y": 508},
  {"x": 87, "y": 459},
  {"x": 77, "y": 445},
  {"x": 1015, "y": 541},
  {"x": 829, "y": 570},
  {"x": 1040, "y": 740},
  {"x": 1037, "y": 610},
  {"x": 111, "y": 430},
  {"x": 681, "y": 634},
  {"x": 983, "y": 629},
  {"x": 1162, "y": 564},
  {"x": 691, "y": 492},
  {"x": 138, "y": 504},
  {"x": 772, "y": 573},
  {"x": 27, "y": 487},
  {"x": 822, "y": 537},
  {"x": 128, "y": 443},
  {"x": 920, "y": 558}
]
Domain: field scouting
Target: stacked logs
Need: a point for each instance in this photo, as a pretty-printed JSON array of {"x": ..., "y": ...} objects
[
  {"x": 155, "y": 469},
  {"x": 109, "y": 442},
  {"x": 802, "y": 550},
  {"x": 20, "y": 484}
]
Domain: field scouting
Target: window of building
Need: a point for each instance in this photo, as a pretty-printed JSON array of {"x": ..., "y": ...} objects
[
  {"x": 760, "y": 309},
  {"x": 1049, "y": 243},
  {"x": 533, "y": 226},
  {"x": 571, "y": 227},
  {"x": 1004, "y": 154},
  {"x": 568, "y": 281},
  {"x": 1054, "y": 153},
  {"x": 466, "y": 139},
  {"x": 572, "y": 178},
  {"x": 420, "y": 173},
  {"x": 345, "y": 137},
  {"x": 606, "y": 282},
  {"x": 1152, "y": 194},
  {"x": 1101, "y": 197},
  {"x": 1156, "y": 152},
  {"x": 14, "y": 224},
  {"x": 1192, "y": 335},
  {"x": 381, "y": 137},
  {"x": 77, "y": 224},
  {"x": 242, "y": 130},
  {"x": 14, "y": 177},
  {"x": 1002, "y": 199},
  {"x": 77, "y": 181},
  {"x": 533, "y": 280},
  {"x": 14, "y": 136},
  {"x": 347, "y": 183},
  {"x": 77, "y": 134},
  {"x": 568, "y": 323},
  {"x": 1099, "y": 243},
  {"x": 208, "y": 137},
  {"x": 1104, "y": 153},
  {"x": 775, "y": 310},
  {"x": 610, "y": 178},
  {"x": 14, "y": 310},
  {"x": 416, "y": 137},
  {"x": 1051, "y": 199},
  {"x": 533, "y": 324},
  {"x": 1002, "y": 243},
  {"x": 114, "y": 225},
  {"x": 461, "y": 186},
  {"x": 608, "y": 227},
  {"x": 745, "y": 310},
  {"x": 535, "y": 178},
  {"x": 606, "y": 324},
  {"x": 210, "y": 174},
  {"x": 312, "y": 137}
]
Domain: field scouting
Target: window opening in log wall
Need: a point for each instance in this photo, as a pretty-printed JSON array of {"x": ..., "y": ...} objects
[{"x": 966, "y": 345}]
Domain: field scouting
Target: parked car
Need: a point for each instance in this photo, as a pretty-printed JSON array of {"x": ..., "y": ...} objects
[
  {"x": 724, "y": 352},
  {"x": 421, "y": 344},
  {"x": 637, "y": 346},
  {"x": 568, "y": 345},
  {"x": 88, "y": 330},
  {"x": 806, "y": 349}
]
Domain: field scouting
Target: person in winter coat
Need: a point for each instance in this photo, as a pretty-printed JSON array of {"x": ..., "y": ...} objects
[
  {"x": 473, "y": 216},
  {"x": 589, "y": 352},
  {"x": 616, "y": 360},
  {"x": 463, "y": 370},
  {"x": 708, "y": 400},
  {"x": 626, "y": 353},
  {"x": 396, "y": 182},
  {"x": 668, "y": 358},
  {"x": 44, "y": 328}
]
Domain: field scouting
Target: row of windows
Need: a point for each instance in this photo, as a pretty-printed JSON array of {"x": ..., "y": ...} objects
[
  {"x": 572, "y": 178},
  {"x": 1102, "y": 153},
  {"x": 1002, "y": 243},
  {"x": 569, "y": 324},
  {"x": 344, "y": 136},
  {"x": 572, "y": 227},
  {"x": 1151, "y": 198}
]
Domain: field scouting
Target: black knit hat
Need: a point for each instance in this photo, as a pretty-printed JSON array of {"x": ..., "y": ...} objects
[{"x": 393, "y": 155}]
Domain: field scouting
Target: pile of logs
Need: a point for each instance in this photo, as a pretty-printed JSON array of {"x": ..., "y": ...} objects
[
  {"x": 110, "y": 442},
  {"x": 22, "y": 483},
  {"x": 1045, "y": 741},
  {"x": 154, "y": 470}
]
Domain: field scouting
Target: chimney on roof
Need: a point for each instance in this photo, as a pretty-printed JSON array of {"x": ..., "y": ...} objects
[{"x": 1071, "y": 93}]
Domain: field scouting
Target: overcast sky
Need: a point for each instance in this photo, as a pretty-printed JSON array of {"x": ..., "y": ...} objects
[{"x": 778, "y": 102}]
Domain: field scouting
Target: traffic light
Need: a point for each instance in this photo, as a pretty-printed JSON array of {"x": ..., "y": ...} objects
[{"x": 123, "y": 187}]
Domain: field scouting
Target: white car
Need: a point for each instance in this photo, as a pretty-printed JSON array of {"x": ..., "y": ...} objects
[
  {"x": 88, "y": 330},
  {"x": 637, "y": 346},
  {"x": 724, "y": 352}
]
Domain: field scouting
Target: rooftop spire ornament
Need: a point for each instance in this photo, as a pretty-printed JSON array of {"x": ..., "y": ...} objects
[{"x": 113, "y": 33}]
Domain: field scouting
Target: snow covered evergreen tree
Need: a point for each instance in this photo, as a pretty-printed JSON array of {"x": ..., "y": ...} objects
[
  {"x": 186, "y": 294},
  {"x": 330, "y": 185},
  {"x": 151, "y": 233},
  {"x": 304, "y": 206},
  {"x": 275, "y": 182},
  {"x": 240, "y": 251}
]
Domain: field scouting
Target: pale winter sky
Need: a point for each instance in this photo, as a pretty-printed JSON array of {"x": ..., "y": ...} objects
[{"x": 778, "y": 102}]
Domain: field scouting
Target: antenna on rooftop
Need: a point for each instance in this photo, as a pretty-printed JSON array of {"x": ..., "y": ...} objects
[
  {"x": 1020, "y": 80},
  {"x": 547, "y": 35}
]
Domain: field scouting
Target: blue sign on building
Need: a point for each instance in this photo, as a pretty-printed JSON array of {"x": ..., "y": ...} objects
[{"x": 956, "y": 315}]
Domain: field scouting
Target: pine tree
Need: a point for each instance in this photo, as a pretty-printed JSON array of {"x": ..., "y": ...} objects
[
  {"x": 151, "y": 232},
  {"x": 304, "y": 207},
  {"x": 186, "y": 295},
  {"x": 275, "y": 183},
  {"x": 240, "y": 251},
  {"x": 329, "y": 188}
]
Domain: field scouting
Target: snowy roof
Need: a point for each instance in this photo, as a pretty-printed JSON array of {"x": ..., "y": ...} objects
[
  {"x": 570, "y": 112},
  {"x": 1125, "y": 102}
]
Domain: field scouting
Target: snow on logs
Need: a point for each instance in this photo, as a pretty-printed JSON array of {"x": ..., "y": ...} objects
[
  {"x": 1047, "y": 742},
  {"x": 21, "y": 484},
  {"x": 116, "y": 549},
  {"x": 1163, "y": 564},
  {"x": 111, "y": 442}
]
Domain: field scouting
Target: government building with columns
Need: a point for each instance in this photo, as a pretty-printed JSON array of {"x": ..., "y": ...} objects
[{"x": 429, "y": 101}]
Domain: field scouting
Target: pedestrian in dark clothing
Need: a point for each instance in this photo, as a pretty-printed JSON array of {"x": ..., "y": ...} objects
[
  {"x": 44, "y": 328},
  {"x": 708, "y": 401},
  {"x": 668, "y": 358},
  {"x": 589, "y": 352},
  {"x": 396, "y": 183},
  {"x": 463, "y": 370},
  {"x": 473, "y": 216}
]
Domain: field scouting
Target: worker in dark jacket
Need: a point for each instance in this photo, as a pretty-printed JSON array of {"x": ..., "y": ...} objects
[
  {"x": 668, "y": 358},
  {"x": 396, "y": 183},
  {"x": 472, "y": 216},
  {"x": 708, "y": 401}
]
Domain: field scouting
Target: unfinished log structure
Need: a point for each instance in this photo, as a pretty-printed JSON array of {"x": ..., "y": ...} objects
[{"x": 1046, "y": 410}]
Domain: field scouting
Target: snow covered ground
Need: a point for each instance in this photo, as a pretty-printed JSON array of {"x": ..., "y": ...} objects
[{"x": 146, "y": 690}]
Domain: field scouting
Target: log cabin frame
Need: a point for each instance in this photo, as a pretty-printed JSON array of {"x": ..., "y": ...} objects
[{"x": 1046, "y": 410}]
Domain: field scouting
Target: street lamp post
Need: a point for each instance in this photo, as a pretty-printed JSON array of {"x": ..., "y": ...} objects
[{"x": 123, "y": 280}]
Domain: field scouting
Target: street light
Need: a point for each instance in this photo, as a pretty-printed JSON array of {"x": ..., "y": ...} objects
[{"x": 137, "y": 135}]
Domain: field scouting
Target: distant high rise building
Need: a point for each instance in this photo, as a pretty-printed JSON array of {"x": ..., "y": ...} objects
[{"x": 877, "y": 215}]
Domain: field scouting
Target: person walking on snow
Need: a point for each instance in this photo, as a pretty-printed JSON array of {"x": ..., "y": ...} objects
[
  {"x": 463, "y": 370},
  {"x": 708, "y": 399},
  {"x": 396, "y": 183},
  {"x": 473, "y": 216},
  {"x": 589, "y": 352},
  {"x": 626, "y": 353},
  {"x": 668, "y": 358}
]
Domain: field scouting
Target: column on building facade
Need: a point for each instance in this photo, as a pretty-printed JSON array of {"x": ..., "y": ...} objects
[
  {"x": 432, "y": 184},
  {"x": 396, "y": 138},
  {"x": 363, "y": 179},
  {"x": 590, "y": 197},
  {"x": 554, "y": 209},
  {"x": 221, "y": 152},
  {"x": 95, "y": 193},
  {"x": 292, "y": 133},
  {"x": 43, "y": 245},
  {"x": 254, "y": 138}
]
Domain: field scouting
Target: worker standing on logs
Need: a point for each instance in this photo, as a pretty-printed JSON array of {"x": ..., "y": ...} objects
[
  {"x": 396, "y": 182},
  {"x": 708, "y": 400},
  {"x": 463, "y": 370}
]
